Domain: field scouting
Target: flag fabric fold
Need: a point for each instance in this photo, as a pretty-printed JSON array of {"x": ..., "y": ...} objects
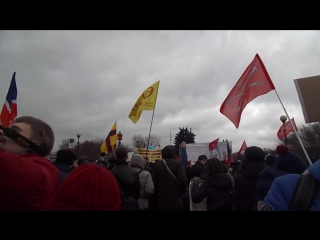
[
  {"x": 10, "y": 108},
  {"x": 109, "y": 143},
  {"x": 146, "y": 101},
  {"x": 213, "y": 144},
  {"x": 254, "y": 81},
  {"x": 243, "y": 148},
  {"x": 286, "y": 128}
]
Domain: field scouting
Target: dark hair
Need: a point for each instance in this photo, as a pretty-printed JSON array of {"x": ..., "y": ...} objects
[
  {"x": 83, "y": 160},
  {"x": 112, "y": 160},
  {"x": 271, "y": 159},
  {"x": 65, "y": 156},
  {"x": 168, "y": 151},
  {"x": 121, "y": 154},
  {"x": 202, "y": 157},
  {"x": 214, "y": 166}
]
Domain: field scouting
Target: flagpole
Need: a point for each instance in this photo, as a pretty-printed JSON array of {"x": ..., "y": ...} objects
[
  {"x": 294, "y": 129},
  {"x": 170, "y": 138},
  {"x": 152, "y": 119}
]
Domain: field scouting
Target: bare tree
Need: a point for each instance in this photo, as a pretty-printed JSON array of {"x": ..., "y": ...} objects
[
  {"x": 139, "y": 141},
  {"x": 90, "y": 148},
  {"x": 64, "y": 144},
  {"x": 310, "y": 138}
]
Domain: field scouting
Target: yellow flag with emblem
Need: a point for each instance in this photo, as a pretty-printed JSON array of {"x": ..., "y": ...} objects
[{"x": 147, "y": 101}]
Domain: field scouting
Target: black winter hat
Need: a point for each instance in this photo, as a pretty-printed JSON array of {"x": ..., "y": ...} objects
[
  {"x": 66, "y": 156},
  {"x": 168, "y": 151},
  {"x": 271, "y": 159},
  {"x": 254, "y": 154}
]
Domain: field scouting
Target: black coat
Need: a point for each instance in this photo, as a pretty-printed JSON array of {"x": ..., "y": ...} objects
[
  {"x": 216, "y": 189},
  {"x": 168, "y": 193},
  {"x": 128, "y": 180},
  {"x": 196, "y": 171},
  {"x": 246, "y": 195}
]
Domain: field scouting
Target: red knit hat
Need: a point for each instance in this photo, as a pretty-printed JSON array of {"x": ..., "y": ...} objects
[{"x": 88, "y": 187}]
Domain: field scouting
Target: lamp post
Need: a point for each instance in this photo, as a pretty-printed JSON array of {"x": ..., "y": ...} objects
[
  {"x": 78, "y": 136},
  {"x": 119, "y": 136},
  {"x": 283, "y": 119}
]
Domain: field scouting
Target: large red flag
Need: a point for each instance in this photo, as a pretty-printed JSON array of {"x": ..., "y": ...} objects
[
  {"x": 10, "y": 109},
  {"x": 213, "y": 144},
  {"x": 255, "y": 81},
  {"x": 286, "y": 129},
  {"x": 243, "y": 148}
]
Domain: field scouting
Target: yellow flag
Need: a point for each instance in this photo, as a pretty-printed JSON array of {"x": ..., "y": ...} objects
[
  {"x": 147, "y": 101},
  {"x": 109, "y": 143}
]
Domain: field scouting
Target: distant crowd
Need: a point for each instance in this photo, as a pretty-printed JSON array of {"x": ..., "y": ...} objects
[{"x": 261, "y": 182}]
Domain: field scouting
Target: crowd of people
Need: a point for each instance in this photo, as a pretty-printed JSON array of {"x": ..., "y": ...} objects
[{"x": 30, "y": 182}]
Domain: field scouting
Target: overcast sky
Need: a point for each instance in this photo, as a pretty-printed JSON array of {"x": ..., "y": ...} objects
[{"x": 84, "y": 81}]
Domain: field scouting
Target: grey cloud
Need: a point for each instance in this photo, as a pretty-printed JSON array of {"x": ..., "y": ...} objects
[{"x": 84, "y": 81}]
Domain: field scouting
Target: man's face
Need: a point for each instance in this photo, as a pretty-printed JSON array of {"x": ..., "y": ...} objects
[
  {"x": 9, "y": 145},
  {"x": 204, "y": 161}
]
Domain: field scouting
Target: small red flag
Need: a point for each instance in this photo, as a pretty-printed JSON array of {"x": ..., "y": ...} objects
[
  {"x": 243, "y": 148},
  {"x": 286, "y": 128},
  {"x": 213, "y": 144},
  {"x": 255, "y": 81}
]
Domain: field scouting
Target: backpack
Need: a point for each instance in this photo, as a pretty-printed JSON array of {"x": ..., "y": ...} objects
[{"x": 305, "y": 193}]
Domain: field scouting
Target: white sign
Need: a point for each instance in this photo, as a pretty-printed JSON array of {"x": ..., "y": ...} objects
[
  {"x": 71, "y": 143},
  {"x": 194, "y": 150}
]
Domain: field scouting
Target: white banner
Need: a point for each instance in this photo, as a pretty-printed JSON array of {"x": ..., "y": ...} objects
[{"x": 194, "y": 150}]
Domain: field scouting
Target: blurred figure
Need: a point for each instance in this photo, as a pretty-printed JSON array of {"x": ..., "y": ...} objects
[
  {"x": 289, "y": 162},
  {"x": 169, "y": 189},
  {"x": 246, "y": 195},
  {"x": 267, "y": 175},
  {"x": 102, "y": 160},
  {"x": 198, "y": 169},
  {"x": 128, "y": 180},
  {"x": 216, "y": 188},
  {"x": 138, "y": 163},
  {"x": 27, "y": 179},
  {"x": 283, "y": 188},
  {"x": 64, "y": 162},
  {"x": 111, "y": 162},
  {"x": 83, "y": 160},
  {"x": 88, "y": 188}
]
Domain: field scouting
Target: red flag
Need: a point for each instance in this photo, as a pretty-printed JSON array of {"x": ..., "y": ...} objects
[
  {"x": 286, "y": 129},
  {"x": 243, "y": 148},
  {"x": 255, "y": 81},
  {"x": 232, "y": 158},
  {"x": 213, "y": 144},
  {"x": 10, "y": 108}
]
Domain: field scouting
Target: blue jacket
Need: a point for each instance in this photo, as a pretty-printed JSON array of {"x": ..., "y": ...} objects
[
  {"x": 64, "y": 171},
  {"x": 184, "y": 159},
  {"x": 266, "y": 177},
  {"x": 282, "y": 190}
]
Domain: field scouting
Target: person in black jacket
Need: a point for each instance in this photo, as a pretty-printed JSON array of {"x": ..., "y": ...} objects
[
  {"x": 169, "y": 189},
  {"x": 216, "y": 188},
  {"x": 128, "y": 180},
  {"x": 198, "y": 169}
]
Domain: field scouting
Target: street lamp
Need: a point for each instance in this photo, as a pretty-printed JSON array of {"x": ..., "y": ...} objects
[
  {"x": 283, "y": 119},
  {"x": 119, "y": 136},
  {"x": 78, "y": 136}
]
